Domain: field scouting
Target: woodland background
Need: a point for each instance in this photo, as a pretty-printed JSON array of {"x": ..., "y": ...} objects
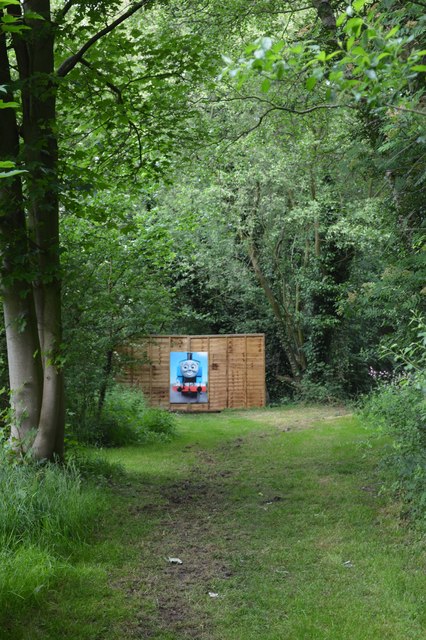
[{"x": 201, "y": 167}]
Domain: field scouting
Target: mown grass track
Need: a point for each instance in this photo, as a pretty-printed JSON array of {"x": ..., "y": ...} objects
[{"x": 276, "y": 511}]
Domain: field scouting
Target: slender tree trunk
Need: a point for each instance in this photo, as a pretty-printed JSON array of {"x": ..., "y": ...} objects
[
  {"x": 326, "y": 14},
  {"x": 49, "y": 439},
  {"x": 105, "y": 380},
  {"x": 288, "y": 332}
]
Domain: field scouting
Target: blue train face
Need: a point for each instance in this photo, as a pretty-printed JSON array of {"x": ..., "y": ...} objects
[{"x": 189, "y": 368}]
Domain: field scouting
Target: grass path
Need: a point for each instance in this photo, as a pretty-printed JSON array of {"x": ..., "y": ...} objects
[{"x": 275, "y": 511}]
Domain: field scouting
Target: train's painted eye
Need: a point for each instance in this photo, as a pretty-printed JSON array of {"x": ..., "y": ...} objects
[{"x": 189, "y": 368}]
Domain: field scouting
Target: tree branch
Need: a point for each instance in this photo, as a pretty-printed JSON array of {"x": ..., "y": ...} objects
[
  {"x": 63, "y": 12},
  {"x": 107, "y": 82},
  {"x": 69, "y": 64},
  {"x": 289, "y": 110},
  {"x": 275, "y": 106},
  {"x": 406, "y": 110}
]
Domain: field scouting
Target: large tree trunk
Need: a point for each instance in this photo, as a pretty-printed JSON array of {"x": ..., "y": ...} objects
[
  {"x": 31, "y": 283},
  {"x": 31, "y": 279},
  {"x": 25, "y": 374}
]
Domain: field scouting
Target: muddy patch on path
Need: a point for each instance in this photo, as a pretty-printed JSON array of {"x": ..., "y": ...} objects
[{"x": 185, "y": 560}]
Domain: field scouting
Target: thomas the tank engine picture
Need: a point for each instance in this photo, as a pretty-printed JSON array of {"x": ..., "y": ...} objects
[{"x": 190, "y": 377}]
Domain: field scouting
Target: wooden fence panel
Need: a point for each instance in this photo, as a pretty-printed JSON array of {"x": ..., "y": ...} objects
[
  {"x": 237, "y": 381},
  {"x": 179, "y": 343},
  {"x": 236, "y": 376},
  {"x": 218, "y": 373},
  {"x": 198, "y": 343},
  {"x": 255, "y": 371}
]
